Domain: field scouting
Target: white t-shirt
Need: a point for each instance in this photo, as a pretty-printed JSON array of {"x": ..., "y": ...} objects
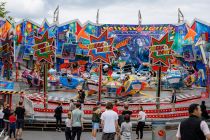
[
  {"x": 142, "y": 116},
  {"x": 204, "y": 128},
  {"x": 109, "y": 117},
  {"x": 68, "y": 122},
  {"x": 1, "y": 114}
]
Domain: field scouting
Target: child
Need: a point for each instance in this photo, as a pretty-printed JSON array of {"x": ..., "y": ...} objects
[
  {"x": 68, "y": 123},
  {"x": 12, "y": 124},
  {"x": 126, "y": 128}
]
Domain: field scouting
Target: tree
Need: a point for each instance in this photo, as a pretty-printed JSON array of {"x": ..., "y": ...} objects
[{"x": 3, "y": 11}]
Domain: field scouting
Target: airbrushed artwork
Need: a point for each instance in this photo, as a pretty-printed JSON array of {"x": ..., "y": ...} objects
[{"x": 107, "y": 61}]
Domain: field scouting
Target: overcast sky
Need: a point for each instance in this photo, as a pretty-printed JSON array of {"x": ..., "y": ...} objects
[{"x": 111, "y": 11}]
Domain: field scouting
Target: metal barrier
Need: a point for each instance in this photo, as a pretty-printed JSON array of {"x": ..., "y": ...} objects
[{"x": 29, "y": 106}]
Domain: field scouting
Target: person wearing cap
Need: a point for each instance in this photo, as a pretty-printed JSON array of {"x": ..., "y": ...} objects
[
  {"x": 96, "y": 119},
  {"x": 193, "y": 128}
]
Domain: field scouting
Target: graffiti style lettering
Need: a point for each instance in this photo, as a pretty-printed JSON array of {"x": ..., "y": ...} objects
[{"x": 122, "y": 43}]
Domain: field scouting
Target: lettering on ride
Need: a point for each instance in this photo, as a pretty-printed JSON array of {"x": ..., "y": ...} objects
[
  {"x": 161, "y": 49},
  {"x": 100, "y": 47},
  {"x": 123, "y": 43}
]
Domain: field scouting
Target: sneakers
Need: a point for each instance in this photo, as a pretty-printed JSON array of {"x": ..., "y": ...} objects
[{"x": 59, "y": 130}]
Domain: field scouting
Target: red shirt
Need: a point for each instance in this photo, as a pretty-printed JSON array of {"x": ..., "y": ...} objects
[
  {"x": 115, "y": 108},
  {"x": 12, "y": 119}
]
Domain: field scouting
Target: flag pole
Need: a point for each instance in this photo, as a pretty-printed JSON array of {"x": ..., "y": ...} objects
[
  {"x": 180, "y": 16},
  {"x": 139, "y": 18},
  {"x": 56, "y": 21}
]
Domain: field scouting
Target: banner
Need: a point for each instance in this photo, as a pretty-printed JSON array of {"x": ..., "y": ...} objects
[
  {"x": 5, "y": 85},
  {"x": 69, "y": 51},
  {"x": 161, "y": 53}
]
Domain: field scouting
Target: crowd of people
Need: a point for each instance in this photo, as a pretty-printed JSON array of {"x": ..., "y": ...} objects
[
  {"x": 12, "y": 120},
  {"x": 118, "y": 126},
  {"x": 113, "y": 124}
]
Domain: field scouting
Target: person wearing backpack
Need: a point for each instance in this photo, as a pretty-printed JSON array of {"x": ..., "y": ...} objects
[
  {"x": 58, "y": 116},
  {"x": 96, "y": 119}
]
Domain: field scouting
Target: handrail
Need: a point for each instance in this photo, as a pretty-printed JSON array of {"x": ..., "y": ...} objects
[{"x": 29, "y": 105}]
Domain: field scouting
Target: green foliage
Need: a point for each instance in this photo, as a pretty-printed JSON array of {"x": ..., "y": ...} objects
[{"x": 3, "y": 11}]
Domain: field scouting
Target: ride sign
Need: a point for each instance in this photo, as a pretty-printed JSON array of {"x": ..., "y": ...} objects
[{"x": 161, "y": 53}]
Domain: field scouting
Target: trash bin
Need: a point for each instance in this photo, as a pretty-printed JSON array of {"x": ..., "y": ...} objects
[{"x": 158, "y": 130}]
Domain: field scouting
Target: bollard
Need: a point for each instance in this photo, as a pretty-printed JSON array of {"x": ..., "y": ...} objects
[{"x": 158, "y": 130}]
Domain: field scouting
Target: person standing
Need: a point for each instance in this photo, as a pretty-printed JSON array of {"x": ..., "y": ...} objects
[
  {"x": 125, "y": 112},
  {"x": 96, "y": 119},
  {"x": 115, "y": 107},
  {"x": 58, "y": 116},
  {"x": 20, "y": 113},
  {"x": 12, "y": 124},
  {"x": 68, "y": 129},
  {"x": 6, "y": 112},
  {"x": 193, "y": 128},
  {"x": 71, "y": 105},
  {"x": 173, "y": 100},
  {"x": 141, "y": 123},
  {"x": 126, "y": 128},
  {"x": 1, "y": 118},
  {"x": 109, "y": 122},
  {"x": 77, "y": 122},
  {"x": 204, "y": 114},
  {"x": 82, "y": 95}
]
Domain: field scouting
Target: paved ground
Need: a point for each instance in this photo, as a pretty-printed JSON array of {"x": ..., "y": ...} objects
[{"x": 38, "y": 135}]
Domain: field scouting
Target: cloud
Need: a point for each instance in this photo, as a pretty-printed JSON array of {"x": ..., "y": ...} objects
[{"x": 111, "y": 11}]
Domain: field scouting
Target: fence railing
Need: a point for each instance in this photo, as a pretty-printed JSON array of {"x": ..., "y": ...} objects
[{"x": 29, "y": 106}]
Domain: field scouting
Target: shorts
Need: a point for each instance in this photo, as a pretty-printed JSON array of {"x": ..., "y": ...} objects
[
  {"x": 20, "y": 123},
  {"x": 95, "y": 125}
]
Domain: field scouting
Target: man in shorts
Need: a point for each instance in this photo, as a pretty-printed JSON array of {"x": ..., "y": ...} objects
[{"x": 20, "y": 113}]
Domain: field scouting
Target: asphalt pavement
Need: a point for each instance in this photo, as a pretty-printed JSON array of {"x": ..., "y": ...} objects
[{"x": 46, "y": 135}]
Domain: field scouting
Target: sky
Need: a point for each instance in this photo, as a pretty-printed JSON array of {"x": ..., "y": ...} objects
[{"x": 111, "y": 11}]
